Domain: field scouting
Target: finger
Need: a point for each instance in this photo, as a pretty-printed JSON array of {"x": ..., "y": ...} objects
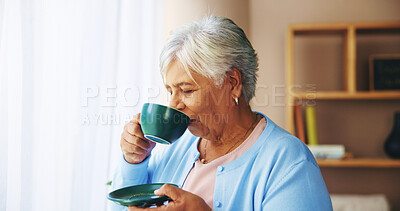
[
  {"x": 140, "y": 142},
  {"x": 133, "y": 158},
  {"x": 128, "y": 147},
  {"x": 169, "y": 190},
  {"x": 136, "y": 119},
  {"x": 134, "y": 129},
  {"x": 145, "y": 144}
]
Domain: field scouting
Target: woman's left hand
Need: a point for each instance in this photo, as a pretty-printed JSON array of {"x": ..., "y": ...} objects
[{"x": 182, "y": 200}]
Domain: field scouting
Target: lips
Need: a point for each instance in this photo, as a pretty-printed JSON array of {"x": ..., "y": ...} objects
[{"x": 194, "y": 120}]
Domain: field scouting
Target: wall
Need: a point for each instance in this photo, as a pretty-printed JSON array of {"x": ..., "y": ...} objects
[{"x": 178, "y": 12}]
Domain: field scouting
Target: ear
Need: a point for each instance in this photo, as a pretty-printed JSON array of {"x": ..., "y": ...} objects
[{"x": 234, "y": 78}]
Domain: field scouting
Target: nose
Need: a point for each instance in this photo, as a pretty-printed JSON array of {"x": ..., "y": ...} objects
[{"x": 176, "y": 102}]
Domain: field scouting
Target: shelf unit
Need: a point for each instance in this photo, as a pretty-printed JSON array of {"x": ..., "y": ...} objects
[
  {"x": 346, "y": 107},
  {"x": 348, "y": 91},
  {"x": 368, "y": 171}
]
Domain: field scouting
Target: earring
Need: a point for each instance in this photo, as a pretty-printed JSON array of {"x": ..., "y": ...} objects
[{"x": 236, "y": 101}]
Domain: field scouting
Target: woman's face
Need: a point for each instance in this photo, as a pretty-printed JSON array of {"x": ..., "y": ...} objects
[{"x": 205, "y": 104}]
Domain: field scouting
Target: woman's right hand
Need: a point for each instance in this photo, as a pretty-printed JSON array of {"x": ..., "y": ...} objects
[{"x": 134, "y": 145}]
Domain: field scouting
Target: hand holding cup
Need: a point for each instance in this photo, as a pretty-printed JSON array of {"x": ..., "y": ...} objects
[
  {"x": 135, "y": 147},
  {"x": 158, "y": 123}
]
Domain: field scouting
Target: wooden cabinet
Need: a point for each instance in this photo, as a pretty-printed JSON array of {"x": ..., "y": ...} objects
[
  {"x": 347, "y": 34},
  {"x": 327, "y": 65}
]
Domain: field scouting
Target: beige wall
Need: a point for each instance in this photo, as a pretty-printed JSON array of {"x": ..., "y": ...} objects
[
  {"x": 178, "y": 12},
  {"x": 266, "y": 21}
]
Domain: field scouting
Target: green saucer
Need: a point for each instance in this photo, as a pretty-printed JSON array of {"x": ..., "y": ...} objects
[{"x": 139, "y": 195}]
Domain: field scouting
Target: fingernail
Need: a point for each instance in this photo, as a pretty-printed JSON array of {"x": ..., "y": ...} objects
[{"x": 157, "y": 191}]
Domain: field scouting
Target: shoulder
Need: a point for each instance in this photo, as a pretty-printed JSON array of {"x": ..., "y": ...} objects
[{"x": 280, "y": 147}]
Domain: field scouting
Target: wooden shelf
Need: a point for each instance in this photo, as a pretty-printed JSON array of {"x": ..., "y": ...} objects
[
  {"x": 343, "y": 95},
  {"x": 317, "y": 27},
  {"x": 359, "y": 163},
  {"x": 348, "y": 31}
]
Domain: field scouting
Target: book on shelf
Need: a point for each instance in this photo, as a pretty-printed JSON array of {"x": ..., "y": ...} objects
[
  {"x": 332, "y": 151},
  {"x": 311, "y": 125},
  {"x": 299, "y": 123}
]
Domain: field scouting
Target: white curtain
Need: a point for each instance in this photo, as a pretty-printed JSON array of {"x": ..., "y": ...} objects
[{"x": 72, "y": 73}]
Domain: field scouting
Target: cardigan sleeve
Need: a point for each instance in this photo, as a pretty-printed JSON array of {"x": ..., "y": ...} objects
[
  {"x": 127, "y": 174},
  {"x": 301, "y": 188}
]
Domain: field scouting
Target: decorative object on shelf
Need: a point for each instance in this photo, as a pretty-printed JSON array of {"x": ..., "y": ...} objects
[
  {"x": 384, "y": 70},
  {"x": 375, "y": 202},
  {"x": 392, "y": 143},
  {"x": 330, "y": 151},
  {"x": 311, "y": 125}
]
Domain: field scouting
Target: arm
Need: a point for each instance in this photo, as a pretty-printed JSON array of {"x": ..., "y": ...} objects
[
  {"x": 127, "y": 174},
  {"x": 300, "y": 188},
  {"x": 133, "y": 166}
]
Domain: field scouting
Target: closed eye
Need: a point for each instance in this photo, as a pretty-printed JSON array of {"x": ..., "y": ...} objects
[{"x": 187, "y": 91}]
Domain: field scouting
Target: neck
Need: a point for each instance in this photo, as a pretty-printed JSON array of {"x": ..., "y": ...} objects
[
  {"x": 235, "y": 131},
  {"x": 240, "y": 120}
]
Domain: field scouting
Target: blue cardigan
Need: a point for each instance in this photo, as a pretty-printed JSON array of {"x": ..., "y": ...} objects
[{"x": 277, "y": 173}]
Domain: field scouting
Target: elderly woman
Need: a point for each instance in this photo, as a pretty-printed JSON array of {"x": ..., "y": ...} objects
[{"x": 230, "y": 158}]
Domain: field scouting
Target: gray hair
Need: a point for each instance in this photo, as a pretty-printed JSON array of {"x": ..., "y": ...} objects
[{"x": 211, "y": 47}]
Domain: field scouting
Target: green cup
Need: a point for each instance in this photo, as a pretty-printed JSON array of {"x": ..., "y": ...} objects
[{"x": 162, "y": 124}]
